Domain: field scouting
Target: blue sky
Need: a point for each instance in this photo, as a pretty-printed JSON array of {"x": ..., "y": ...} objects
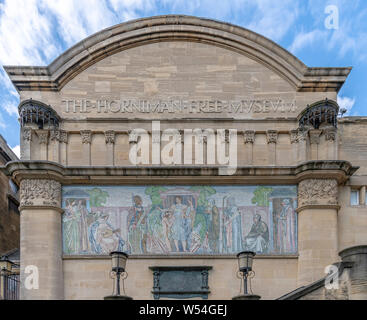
[{"x": 35, "y": 32}]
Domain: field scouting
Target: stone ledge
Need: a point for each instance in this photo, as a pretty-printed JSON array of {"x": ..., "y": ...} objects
[
  {"x": 19, "y": 170},
  {"x": 176, "y": 256}
]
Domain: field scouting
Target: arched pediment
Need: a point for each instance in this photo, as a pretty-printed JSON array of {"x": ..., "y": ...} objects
[{"x": 176, "y": 28}]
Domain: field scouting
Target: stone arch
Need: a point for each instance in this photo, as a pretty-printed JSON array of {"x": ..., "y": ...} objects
[{"x": 176, "y": 28}]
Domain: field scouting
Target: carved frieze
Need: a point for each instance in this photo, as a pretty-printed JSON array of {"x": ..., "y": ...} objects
[
  {"x": 40, "y": 192},
  {"x": 318, "y": 192},
  {"x": 86, "y": 136},
  {"x": 272, "y": 136},
  {"x": 249, "y": 136},
  {"x": 110, "y": 137}
]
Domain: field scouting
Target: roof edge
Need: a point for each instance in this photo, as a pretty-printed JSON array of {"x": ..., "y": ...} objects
[{"x": 174, "y": 28}]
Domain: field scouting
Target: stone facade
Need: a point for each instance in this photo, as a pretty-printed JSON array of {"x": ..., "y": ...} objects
[
  {"x": 9, "y": 202},
  {"x": 186, "y": 73}
]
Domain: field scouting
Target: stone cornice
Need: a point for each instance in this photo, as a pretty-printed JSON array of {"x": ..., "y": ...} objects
[
  {"x": 175, "y": 28},
  {"x": 19, "y": 170}
]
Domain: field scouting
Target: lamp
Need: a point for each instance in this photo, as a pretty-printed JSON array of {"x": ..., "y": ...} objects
[
  {"x": 245, "y": 261},
  {"x": 118, "y": 260}
]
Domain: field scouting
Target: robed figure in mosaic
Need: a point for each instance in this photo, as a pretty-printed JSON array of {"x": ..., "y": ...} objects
[
  {"x": 71, "y": 229},
  {"x": 257, "y": 239},
  {"x": 137, "y": 226},
  {"x": 286, "y": 227},
  {"x": 214, "y": 225},
  {"x": 232, "y": 227},
  {"x": 182, "y": 223}
]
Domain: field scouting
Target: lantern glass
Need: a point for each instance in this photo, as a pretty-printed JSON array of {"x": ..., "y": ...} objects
[
  {"x": 245, "y": 260},
  {"x": 119, "y": 261}
]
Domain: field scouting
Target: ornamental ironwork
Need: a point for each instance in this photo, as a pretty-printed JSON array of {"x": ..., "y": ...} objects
[
  {"x": 322, "y": 112},
  {"x": 32, "y": 111}
]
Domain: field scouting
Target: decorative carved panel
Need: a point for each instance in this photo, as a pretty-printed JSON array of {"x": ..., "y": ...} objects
[
  {"x": 318, "y": 192},
  {"x": 86, "y": 136},
  {"x": 40, "y": 192},
  {"x": 272, "y": 136}
]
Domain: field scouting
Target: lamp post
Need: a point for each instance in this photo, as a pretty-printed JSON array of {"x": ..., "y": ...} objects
[
  {"x": 245, "y": 261},
  {"x": 118, "y": 272}
]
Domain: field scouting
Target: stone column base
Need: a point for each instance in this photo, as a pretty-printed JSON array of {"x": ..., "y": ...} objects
[
  {"x": 247, "y": 297},
  {"x": 117, "y": 298}
]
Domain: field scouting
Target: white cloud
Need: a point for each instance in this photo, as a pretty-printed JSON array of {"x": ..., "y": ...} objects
[
  {"x": 346, "y": 103},
  {"x": 16, "y": 150},
  {"x": 2, "y": 122},
  {"x": 304, "y": 39},
  {"x": 273, "y": 19}
]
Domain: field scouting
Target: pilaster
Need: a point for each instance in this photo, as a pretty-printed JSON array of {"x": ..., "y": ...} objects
[
  {"x": 317, "y": 227},
  {"x": 41, "y": 239}
]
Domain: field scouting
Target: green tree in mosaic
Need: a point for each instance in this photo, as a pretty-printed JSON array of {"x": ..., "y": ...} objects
[
  {"x": 155, "y": 194},
  {"x": 261, "y": 196},
  {"x": 201, "y": 218},
  {"x": 98, "y": 197}
]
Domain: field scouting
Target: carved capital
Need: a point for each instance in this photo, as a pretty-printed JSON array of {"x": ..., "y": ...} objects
[
  {"x": 110, "y": 136},
  {"x": 302, "y": 135},
  {"x": 249, "y": 136},
  {"x": 55, "y": 135},
  {"x": 27, "y": 134},
  {"x": 63, "y": 136},
  {"x": 318, "y": 192},
  {"x": 40, "y": 192},
  {"x": 86, "y": 136},
  {"x": 294, "y": 136},
  {"x": 272, "y": 136},
  {"x": 315, "y": 136},
  {"x": 42, "y": 136},
  {"x": 330, "y": 134}
]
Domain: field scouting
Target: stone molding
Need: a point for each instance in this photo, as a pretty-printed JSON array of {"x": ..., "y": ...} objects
[
  {"x": 316, "y": 192},
  {"x": 338, "y": 170},
  {"x": 86, "y": 136},
  {"x": 40, "y": 193}
]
